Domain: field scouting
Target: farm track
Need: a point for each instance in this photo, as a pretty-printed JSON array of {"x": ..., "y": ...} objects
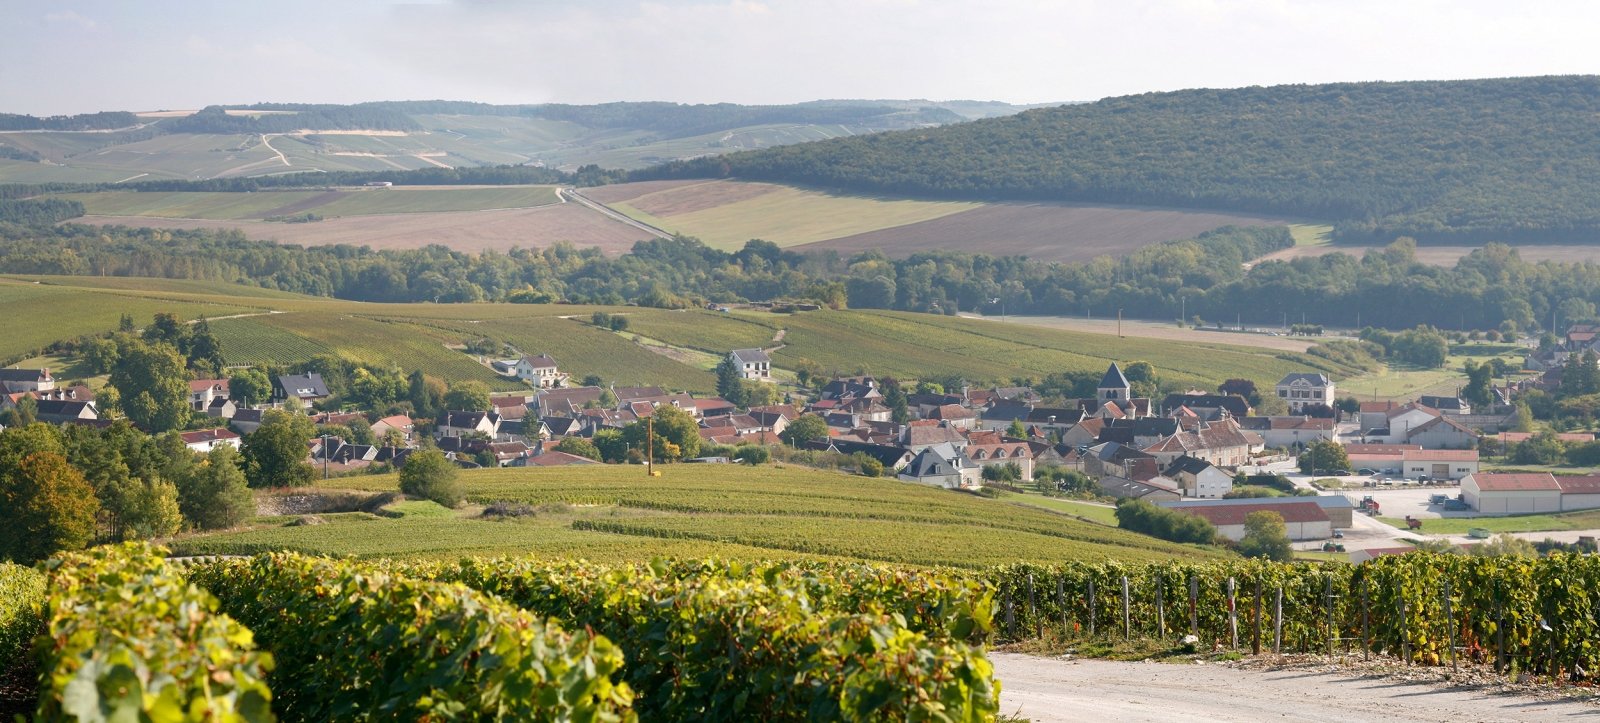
[
  {"x": 1045, "y": 690},
  {"x": 614, "y": 215}
]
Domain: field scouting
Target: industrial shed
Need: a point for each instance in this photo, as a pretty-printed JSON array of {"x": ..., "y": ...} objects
[
  {"x": 1304, "y": 520},
  {"x": 1519, "y": 493}
]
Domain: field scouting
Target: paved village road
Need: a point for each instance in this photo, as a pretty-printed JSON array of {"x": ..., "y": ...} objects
[{"x": 1046, "y": 690}]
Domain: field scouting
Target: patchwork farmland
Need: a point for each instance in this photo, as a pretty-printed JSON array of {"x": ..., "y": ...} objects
[{"x": 726, "y": 214}]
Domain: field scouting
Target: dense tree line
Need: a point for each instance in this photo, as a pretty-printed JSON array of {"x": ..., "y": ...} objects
[
  {"x": 1491, "y": 288},
  {"x": 85, "y": 122},
  {"x": 1458, "y": 161},
  {"x": 216, "y": 119},
  {"x": 39, "y": 211}
]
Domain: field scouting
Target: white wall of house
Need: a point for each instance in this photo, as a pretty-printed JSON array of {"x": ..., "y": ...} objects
[{"x": 1211, "y": 483}]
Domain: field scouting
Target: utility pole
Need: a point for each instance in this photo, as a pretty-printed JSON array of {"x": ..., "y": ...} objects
[
  {"x": 1119, "y": 324},
  {"x": 324, "y": 455}
]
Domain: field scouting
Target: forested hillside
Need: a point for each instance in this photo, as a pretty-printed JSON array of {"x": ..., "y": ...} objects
[{"x": 1461, "y": 161}]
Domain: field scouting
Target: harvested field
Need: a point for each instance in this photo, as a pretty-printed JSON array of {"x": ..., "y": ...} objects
[
  {"x": 726, "y": 214},
  {"x": 1045, "y": 232},
  {"x": 1448, "y": 255},
  {"x": 1157, "y": 330},
  {"x": 672, "y": 198},
  {"x": 460, "y": 230}
]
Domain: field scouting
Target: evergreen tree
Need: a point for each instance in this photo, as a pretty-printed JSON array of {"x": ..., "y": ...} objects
[
  {"x": 215, "y": 494},
  {"x": 730, "y": 381}
]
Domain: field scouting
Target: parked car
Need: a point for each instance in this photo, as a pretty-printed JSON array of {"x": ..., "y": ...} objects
[{"x": 1366, "y": 471}]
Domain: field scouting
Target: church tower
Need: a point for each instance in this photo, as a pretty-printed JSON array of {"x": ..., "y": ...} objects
[{"x": 1114, "y": 387}]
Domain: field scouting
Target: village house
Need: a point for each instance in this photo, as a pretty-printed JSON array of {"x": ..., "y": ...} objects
[
  {"x": 459, "y": 423},
  {"x": 921, "y": 435},
  {"x": 891, "y": 457},
  {"x": 205, "y": 440},
  {"x": 1292, "y": 433},
  {"x": 59, "y": 411},
  {"x": 1305, "y": 389},
  {"x": 246, "y": 420},
  {"x": 1207, "y": 406},
  {"x": 1001, "y": 453},
  {"x": 26, "y": 380},
  {"x": 752, "y": 364},
  {"x": 540, "y": 371},
  {"x": 204, "y": 391},
  {"x": 1154, "y": 489},
  {"x": 305, "y": 387},
  {"x": 1198, "y": 478},
  {"x": 399, "y": 424},
  {"x": 943, "y": 465},
  {"x": 1222, "y": 443}
]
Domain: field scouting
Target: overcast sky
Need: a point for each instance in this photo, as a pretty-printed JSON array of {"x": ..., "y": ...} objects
[{"x": 66, "y": 56}]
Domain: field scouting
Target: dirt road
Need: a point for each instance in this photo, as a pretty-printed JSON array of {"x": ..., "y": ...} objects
[{"x": 1044, "y": 690}]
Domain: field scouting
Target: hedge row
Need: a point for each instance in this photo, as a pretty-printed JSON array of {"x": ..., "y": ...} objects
[
  {"x": 724, "y": 642},
  {"x": 128, "y": 638},
  {"x": 358, "y": 642}
]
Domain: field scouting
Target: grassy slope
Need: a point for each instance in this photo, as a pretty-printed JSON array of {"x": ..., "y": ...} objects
[
  {"x": 713, "y": 509},
  {"x": 919, "y": 345},
  {"x": 1582, "y": 520},
  {"x": 414, "y": 336},
  {"x": 790, "y": 216}
]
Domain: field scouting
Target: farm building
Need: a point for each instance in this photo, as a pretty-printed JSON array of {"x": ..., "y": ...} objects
[
  {"x": 1411, "y": 461},
  {"x": 1511, "y": 493},
  {"x": 1155, "y": 489},
  {"x": 1305, "y": 520},
  {"x": 205, "y": 440},
  {"x": 1339, "y": 509}
]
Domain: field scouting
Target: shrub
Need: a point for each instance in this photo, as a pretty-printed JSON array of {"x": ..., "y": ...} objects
[
  {"x": 359, "y": 642},
  {"x": 430, "y": 475},
  {"x": 1167, "y": 524},
  {"x": 21, "y": 610},
  {"x": 130, "y": 639}
]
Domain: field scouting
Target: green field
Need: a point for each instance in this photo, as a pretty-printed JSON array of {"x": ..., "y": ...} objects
[
  {"x": 1403, "y": 383},
  {"x": 920, "y": 345},
  {"x": 262, "y": 204},
  {"x": 789, "y": 216},
  {"x": 416, "y": 336},
  {"x": 1583, "y": 520},
  {"x": 53, "y": 313},
  {"x": 612, "y": 512}
]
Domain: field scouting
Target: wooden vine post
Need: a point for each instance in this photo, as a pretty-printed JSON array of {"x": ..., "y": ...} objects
[
  {"x": 1233, "y": 615},
  {"x": 1255, "y": 635},
  {"x": 1277, "y": 624},
  {"x": 1091, "y": 607},
  {"x": 1161, "y": 607},
  {"x": 1127, "y": 614},
  {"x": 1194, "y": 605}
]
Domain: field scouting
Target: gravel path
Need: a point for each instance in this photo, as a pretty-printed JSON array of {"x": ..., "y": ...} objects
[{"x": 1049, "y": 689}]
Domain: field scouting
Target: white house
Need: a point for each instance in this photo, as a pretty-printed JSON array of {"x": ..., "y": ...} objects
[
  {"x": 942, "y": 465},
  {"x": 456, "y": 424},
  {"x": 1018, "y": 453},
  {"x": 1199, "y": 478},
  {"x": 203, "y": 391},
  {"x": 540, "y": 371},
  {"x": 205, "y": 440},
  {"x": 26, "y": 380},
  {"x": 1292, "y": 432},
  {"x": 752, "y": 363},
  {"x": 1303, "y": 389}
]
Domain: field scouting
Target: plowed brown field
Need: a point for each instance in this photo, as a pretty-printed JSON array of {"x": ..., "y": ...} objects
[
  {"x": 459, "y": 230},
  {"x": 1046, "y": 232}
]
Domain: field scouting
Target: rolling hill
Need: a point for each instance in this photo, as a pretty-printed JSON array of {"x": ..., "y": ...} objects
[
  {"x": 614, "y": 512},
  {"x": 673, "y": 349},
  {"x": 1459, "y": 161},
  {"x": 275, "y": 138}
]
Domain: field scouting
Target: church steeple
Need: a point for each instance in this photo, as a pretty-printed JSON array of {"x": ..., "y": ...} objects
[{"x": 1114, "y": 387}]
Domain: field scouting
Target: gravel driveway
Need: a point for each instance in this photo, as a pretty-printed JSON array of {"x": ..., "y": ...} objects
[{"x": 1049, "y": 689}]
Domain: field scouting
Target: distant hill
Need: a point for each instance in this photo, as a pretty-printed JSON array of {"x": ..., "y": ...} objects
[
  {"x": 219, "y": 142},
  {"x": 1461, "y": 161}
]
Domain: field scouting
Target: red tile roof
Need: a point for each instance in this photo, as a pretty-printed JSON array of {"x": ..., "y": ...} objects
[
  {"x": 1516, "y": 482},
  {"x": 1587, "y": 484},
  {"x": 1292, "y": 512},
  {"x": 1440, "y": 455}
]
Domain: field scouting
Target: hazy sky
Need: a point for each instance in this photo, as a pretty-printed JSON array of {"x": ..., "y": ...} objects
[{"x": 65, "y": 56}]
